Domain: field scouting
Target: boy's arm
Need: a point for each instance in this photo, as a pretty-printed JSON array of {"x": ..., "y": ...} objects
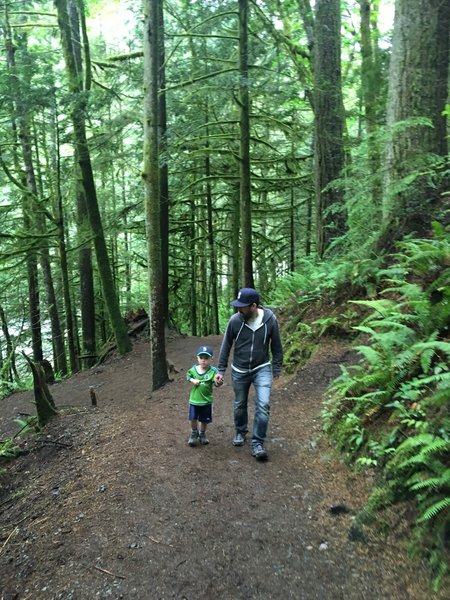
[{"x": 190, "y": 377}]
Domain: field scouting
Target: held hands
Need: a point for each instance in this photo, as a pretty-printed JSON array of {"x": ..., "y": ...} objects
[{"x": 218, "y": 380}]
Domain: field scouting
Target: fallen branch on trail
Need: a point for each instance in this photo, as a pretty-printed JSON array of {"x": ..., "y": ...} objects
[{"x": 109, "y": 572}]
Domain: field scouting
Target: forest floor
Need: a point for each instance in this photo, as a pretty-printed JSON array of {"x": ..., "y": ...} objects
[{"x": 111, "y": 502}]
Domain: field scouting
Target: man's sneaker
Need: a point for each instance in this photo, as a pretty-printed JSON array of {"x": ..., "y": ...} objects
[
  {"x": 203, "y": 439},
  {"x": 259, "y": 452},
  {"x": 239, "y": 439},
  {"x": 193, "y": 438}
]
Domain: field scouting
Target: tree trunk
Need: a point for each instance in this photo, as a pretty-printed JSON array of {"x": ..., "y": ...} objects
[
  {"x": 31, "y": 255},
  {"x": 191, "y": 267},
  {"x": 244, "y": 158},
  {"x": 292, "y": 238},
  {"x": 78, "y": 111},
  {"x": 152, "y": 193},
  {"x": 59, "y": 211},
  {"x": 328, "y": 105},
  {"x": 418, "y": 80},
  {"x": 53, "y": 162},
  {"x": 214, "y": 322},
  {"x": 10, "y": 351},
  {"x": 37, "y": 223},
  {"x": 370, "y": 89},
  {"x": 164, "y": 171},
  {"x": 235, "y": 246},
  {"x": 45, "y": 405},
  {"x": 87, "y": 297}
]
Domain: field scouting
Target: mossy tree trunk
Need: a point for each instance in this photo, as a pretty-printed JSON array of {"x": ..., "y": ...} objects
[
  {"x": 244, "y": 154},
  {"x": 78, "y": 110},
  {"x": 45, "y": 405},
  {"x": 10, "y": 351},
  {"x": 328, "y": 113},
  {"x": 371, "y": 94},
  {"x": 31, "y": 254},
  {"x": 53, "y": 166},
  {"x": 151, "y": 173},
  {"x": 87, "y": 290},
  {"x": 212, "y": 288},
  {"x": 164, "y": 170},
  {"x": 418, "y": 79}
]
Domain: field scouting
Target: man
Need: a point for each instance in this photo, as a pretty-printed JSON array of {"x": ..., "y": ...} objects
[{"x": 252, "y": 330}]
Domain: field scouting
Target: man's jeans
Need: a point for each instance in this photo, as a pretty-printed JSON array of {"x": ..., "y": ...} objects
[{"x": 262, "y": 382}]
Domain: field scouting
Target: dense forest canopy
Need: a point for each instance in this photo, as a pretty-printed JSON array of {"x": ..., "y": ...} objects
[
  {"x": 72, "y": 83},
  {"x": 278, "y": 130}
]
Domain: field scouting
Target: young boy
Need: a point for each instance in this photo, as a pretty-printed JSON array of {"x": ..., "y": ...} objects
[{"x": 202, "y": 376}]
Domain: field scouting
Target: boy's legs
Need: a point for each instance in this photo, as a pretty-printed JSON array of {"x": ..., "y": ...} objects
[
  {"x": 202, "y": 434},
  {"x": 204, "y": 417},
  {"x": 193, "y": 419}
]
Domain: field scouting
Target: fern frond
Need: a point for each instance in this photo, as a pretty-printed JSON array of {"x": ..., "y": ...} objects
[
  {"x": 406, "y": 357},
  {"x": 410, "y": 291},
  {"x": 417, "y": 440},
  {"x": 382, "y": 306},
  {"x": 425, "y": 359},
  {"x": 369, "y": 353},
  {"x": 439, "y": 445},
  {"x": 431, "y": 482},
  {"x": 437, "y": 379},
  {"x": 436, "y": 345},
  {"x": 434, "y": 510},
  {"x": 438, "y": 399},
  {"x": 392, "y": 324}
]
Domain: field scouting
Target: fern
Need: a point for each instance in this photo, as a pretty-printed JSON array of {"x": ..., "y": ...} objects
[
  {"x": 431, "y": 482},
  {"x": 390, "y": 411},
  {"x": 435, "y": 346},
  {"x": 434, "y": 510}
]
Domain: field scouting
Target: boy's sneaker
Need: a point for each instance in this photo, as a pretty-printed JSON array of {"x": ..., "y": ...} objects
[
  {"x": 193, "y": 438},
  {"x": 203, "y": 439},
  {"x": 239, "y": 439},
  {"x": 259, "y": 452}
]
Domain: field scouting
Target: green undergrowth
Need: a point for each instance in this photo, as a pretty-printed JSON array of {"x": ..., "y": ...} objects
[
  {"x": 391, "y": 411},
  {"x": 11, "y": 447},
  {"x": 314, "y": 304}
]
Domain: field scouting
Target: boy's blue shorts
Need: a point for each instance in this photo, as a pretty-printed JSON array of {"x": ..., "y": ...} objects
[{"x": 200, "y": 413}]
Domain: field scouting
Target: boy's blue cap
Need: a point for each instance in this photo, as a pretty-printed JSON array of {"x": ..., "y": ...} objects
[
  {"x": 205, "y": 350},
  {"x": 245, "y": 297}
]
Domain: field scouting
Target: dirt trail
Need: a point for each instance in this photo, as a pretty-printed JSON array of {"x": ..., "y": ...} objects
[{"x": 114, "y": 504}]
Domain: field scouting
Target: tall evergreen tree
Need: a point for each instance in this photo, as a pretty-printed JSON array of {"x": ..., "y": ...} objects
[
  {"x": 69, "y": 20},
  {"x": 244, "y": 154},
  {"x": 418, "y": 80},
  {"x": 151, "y": 174},
  {"x": 329, "y": 121}
]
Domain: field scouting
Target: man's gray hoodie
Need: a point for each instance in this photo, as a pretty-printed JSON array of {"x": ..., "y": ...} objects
[{"x": 251, "y": 348}]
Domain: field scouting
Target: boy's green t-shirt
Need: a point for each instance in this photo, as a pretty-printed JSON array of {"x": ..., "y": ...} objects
[{"x": 201, "y": 394}]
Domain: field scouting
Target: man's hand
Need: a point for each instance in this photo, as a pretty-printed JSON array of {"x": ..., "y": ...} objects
[{"x": 218, "y": 379}]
